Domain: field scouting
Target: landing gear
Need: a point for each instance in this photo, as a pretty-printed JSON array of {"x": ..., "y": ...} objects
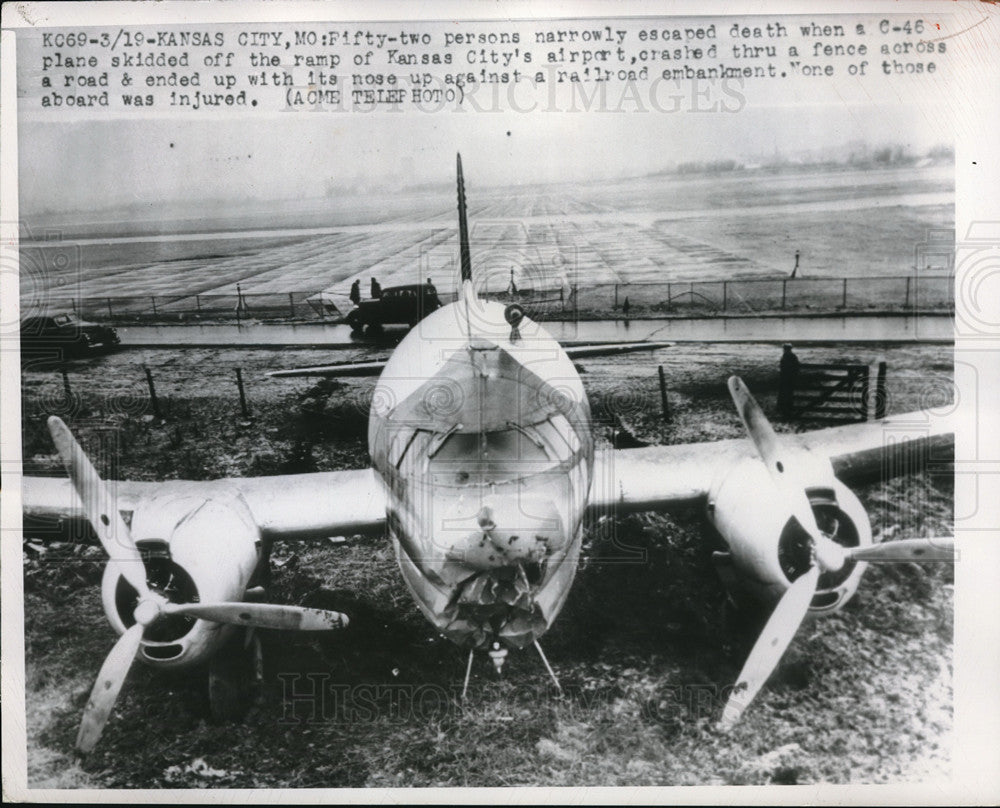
[
  {"x": 235, "y": 677},
  {"x": 548, "y": 667},
  {"x": 498, "y": 655},
  {"x": 236, "y": 671}
]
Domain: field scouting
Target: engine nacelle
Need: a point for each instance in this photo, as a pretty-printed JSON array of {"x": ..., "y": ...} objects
[
  {"x": 195, "y": 549},
  {"x": 770, "y": 548}
]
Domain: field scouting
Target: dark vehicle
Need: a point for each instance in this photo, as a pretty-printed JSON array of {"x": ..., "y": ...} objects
[
  {"x": 66, "y": 333},
  {"x": 406, "y": 305}
]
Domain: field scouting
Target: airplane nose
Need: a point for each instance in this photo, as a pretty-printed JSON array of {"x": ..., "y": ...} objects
[{"x": 509, "y": 532}]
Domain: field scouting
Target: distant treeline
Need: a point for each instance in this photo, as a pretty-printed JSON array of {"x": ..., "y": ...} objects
[{"x": 857, "y": 156}]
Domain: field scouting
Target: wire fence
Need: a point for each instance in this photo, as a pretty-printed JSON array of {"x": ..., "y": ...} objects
[
  {"x": 750, "y": 296},
  {"x": 174, "y": 308}
]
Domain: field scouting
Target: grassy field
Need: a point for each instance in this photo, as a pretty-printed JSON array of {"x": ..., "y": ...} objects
[{"x": 644, "y": 646}]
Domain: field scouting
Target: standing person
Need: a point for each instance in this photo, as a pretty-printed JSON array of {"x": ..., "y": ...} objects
[
  {"x": 431, "y": 294},
  {"x": 241, "y": 304},
  {"x": 356, "y": 292},
  {"x": 789, "y": 366},
  {"x": 626, "y": 307},
  {"x": 376, "y": 289},
  {"x": 795, "y": 269},
  {"x": 512, "y": 287}
]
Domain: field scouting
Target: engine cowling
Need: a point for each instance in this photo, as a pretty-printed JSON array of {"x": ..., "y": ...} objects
[
  {"x": 769, "y": 547},
  {"x": 195, "y": 549}
]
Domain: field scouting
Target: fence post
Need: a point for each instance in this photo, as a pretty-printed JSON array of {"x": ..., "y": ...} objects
[
  {"x": 670, "y": 296},
  {"x": 153, "y": 299},
  {"x": 663, "y": 395},
  {"x": 197, "y": 303},
  {"x": 906, "y": 300},
  {"x": 865, "y": 394},
  {"x": 243, "y": 398},
  {"x": 784, "y": 292},
  {"x": 291, "y": 304},
  {"x": 843, "y": 299},
  {"x": 66, "y": 390},
  {"x": 154, "y": 402},
  {"x": 880, "y": 392},
  {"x": 616, "y": 297},
  {"x": 725, "y": 294}
]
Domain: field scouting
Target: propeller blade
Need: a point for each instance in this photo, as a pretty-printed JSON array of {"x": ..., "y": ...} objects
[
  {"x": 99, "y": 506},
  {"x": 261, "y": 615},
  {"x": 770, "y": 646},
  {"x": 939, "y": 549},
  {"x": 107, "y": 687},
  {"x": 781, "y": 465}
]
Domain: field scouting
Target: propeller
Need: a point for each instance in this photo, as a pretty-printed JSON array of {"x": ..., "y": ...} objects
[
  {"x": 787, "y": 469},
  {"x": 116, "y": 538},
  {"x": 99, "y": 506},
  {"x": 261, "y": 615},
  {"x": 774, "y": 639},
  {"x": 936, "y": 549},
  {"x": 109, "y": 683}
]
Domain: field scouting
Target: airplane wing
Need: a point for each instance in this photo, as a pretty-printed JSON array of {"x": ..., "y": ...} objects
[
  {"x": 374, "y": 367},
  {"x": 371, "y": 368},
  {"x": 680, "y": 475},
  {"x": 314, "y": 506},
  {"x": 291, "y": 506},
  {"x": 612, "y": 348}
]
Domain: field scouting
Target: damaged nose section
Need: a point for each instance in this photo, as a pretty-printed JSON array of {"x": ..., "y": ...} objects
[
  {"x": 520, "y": 533},
  {"x": 499, "y": 559}
]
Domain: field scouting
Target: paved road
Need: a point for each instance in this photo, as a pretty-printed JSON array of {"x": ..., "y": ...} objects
[{"x": 799, "y": 330}]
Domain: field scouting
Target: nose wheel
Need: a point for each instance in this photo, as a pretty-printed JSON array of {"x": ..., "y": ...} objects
[
  {"x": 498, "y": 655},
  {"x": 236, "y": 676}
]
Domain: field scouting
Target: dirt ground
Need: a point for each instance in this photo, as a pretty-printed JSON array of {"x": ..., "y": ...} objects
[{"x": 643, "y": 650}]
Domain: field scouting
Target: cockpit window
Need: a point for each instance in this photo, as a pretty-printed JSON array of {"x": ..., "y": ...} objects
[
  {"x": 565, "y": 439},
  {"x": 496, "y": 456},
  {"x": 441, "y": 438},
  {"x": 457, "y": 456},
  {"x": 400, "y": 444},
  {"x": 502, "y": 455}
]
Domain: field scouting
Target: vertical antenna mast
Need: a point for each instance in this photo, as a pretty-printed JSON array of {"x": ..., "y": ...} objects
[{"x": 463, "y": 228}]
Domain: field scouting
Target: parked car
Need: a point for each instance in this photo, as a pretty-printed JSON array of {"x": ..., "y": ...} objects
[
  {"x": 406, "y": 305},
  {"x": 66, "y": 332}
]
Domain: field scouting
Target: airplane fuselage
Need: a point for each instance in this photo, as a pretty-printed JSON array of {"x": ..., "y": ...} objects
[{"x": 481, "y": 435}]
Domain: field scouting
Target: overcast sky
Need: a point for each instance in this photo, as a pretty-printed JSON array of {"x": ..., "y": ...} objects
[
  {"x": 95, "y": 164},
  {"x": 91, "y": 160}
]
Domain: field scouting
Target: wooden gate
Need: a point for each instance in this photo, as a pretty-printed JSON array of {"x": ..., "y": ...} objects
[{"x": 833, "y": 392}]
